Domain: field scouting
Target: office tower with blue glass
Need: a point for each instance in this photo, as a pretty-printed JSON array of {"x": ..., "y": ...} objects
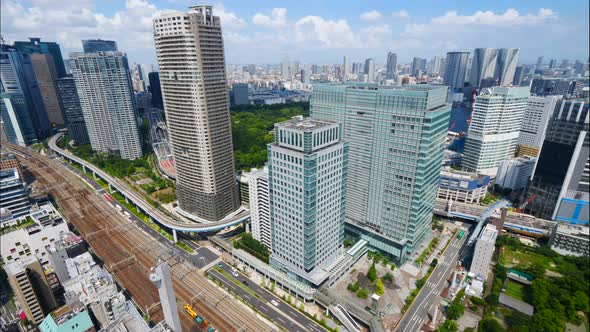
[
  {"x": 307, "y": 166},
  {"x": 36, "y": 46},
  {"x": 72, "y": 110},
  {"x": 24, "y": 118},
  {"x": 99, "y": 45},
  {"x": 396, "y": 136},
  {"x": 104, "y": 88},
  {"x": 455, "y": 70}
]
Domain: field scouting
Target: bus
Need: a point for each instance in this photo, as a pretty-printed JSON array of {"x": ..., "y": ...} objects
[{"x": 461, "y": 233}]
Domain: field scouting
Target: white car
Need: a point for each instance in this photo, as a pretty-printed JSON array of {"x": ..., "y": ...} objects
[
  {"x": 235, "y": 273},
  {"x": 275, "y": 303}
]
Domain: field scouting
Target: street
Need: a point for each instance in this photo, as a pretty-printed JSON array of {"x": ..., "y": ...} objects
[
  {"x": 429, "y": 297},
  {"x": 288, "y": 317}
]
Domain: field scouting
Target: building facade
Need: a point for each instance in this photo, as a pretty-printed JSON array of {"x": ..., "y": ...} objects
[
  {"x": 506, "y": 65},
  {"x": 515, "y": 173},
  {"x": 484, "y": 249},
  {"x": 99, "y": 45},
  {"x": 391, "y": 67},
  {"x": 307, "y": 171},
  {"x": 397, "y": 138},
  {"x": 563, "y": 164},
  {"x": 74, "y": 117},
  {"x": 197, "y": 118},
  {"x": 240, "y": 94},
  {"x": 156, "y": 90},
  {"x": 464, "y": 187},
  {"x": 454, "y": 76},
  {"x": 14, "y": 201},
  {"x": 24, "y": 118},
  {"x": 483, "y": 65},
  {"x": 495, "y": 128},
  {"x": 534, "y": 124},
  {"x": 574, "y": 208},
  {"x": 46, "y": 75},
  {"x": 110, "y": 114},
  {"x": 547, "y": 86},
  {"x": 36, "y": 46},
  {"x": 370, "y": 70},
  {"x": 570, "y": 240},
  {"x": 260, "y": 206}
]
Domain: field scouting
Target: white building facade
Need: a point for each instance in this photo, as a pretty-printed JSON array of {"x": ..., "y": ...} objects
[
  {"x": 260, "y": 206},
  {"x": 495, "y": 128},
  {"x": 308, "y": 165},
  {"x": 484, "y": 249},
  {"x": 534, "y": 124},
  {"x": 515, "y": 173}
]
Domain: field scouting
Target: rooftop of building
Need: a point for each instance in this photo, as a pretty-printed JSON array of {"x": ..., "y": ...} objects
[
  {"x": 508, "y": 91},
  {"x": 458, "y": 174},
  {"x": 392, "y": 88},
  {"x": 578, "y": 231},
  {"x": 305, "y": 124},
  {"x": 17, "y": 267},
  {"x": 489, "y": 233},
  {"x": 9, "y": 175},
  {"x": 65, "y": 319}
]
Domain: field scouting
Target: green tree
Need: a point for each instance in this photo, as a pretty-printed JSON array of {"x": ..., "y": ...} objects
[
  {"x": 455, "y": 310},
  {"x": 362, "y": 293},
  {"x": 379, "y": 287},
  {"x": 353, "y": 287},
  {"x": 388, "y": 277},
  {"x": 490, "y": 324},
  {"x": 448, "y": 326},
  {"x": 548, "y": 320},
  {"x": 372, "y": 274}
]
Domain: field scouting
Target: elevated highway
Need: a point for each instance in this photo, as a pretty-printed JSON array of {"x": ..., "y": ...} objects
[{"x": 155, "y": 214}]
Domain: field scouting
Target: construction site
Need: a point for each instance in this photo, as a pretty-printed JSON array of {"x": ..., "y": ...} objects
[{"x": 128, "y": 252}]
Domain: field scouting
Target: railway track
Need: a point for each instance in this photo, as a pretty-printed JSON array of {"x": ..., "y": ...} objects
[{"x": 128, "y": 252}]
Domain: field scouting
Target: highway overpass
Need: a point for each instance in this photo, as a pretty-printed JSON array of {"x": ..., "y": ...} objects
[{"x": 155, "y": 214}]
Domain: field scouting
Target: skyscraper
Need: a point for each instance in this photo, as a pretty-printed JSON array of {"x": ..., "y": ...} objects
[
  {"x": 495, "y": 127},
  {"x": 197, "y": 111},
  {"x": 416, "y": 67},
  {"x": 506, "y": 66},
  {"x": 24, "y": 118},
  {"x": 36, "y": 46},
  {"x": 72, "y": 110},
  {"x": 518, "y": 75},
  {"x": 346, "y": 68},
  {"x": 539, "y": 62},
  {"x": 563, "y": 166},
  {"x": 455, "y": 70},
  {"x": 240, "y": 94},
  {"x": 483, "y": 65},
  {"x": 391, "y": 69},
  {"x": 396, "y": 138},
  {"x": 46, "y": 75},
  {"x": 104, "y": 88},
  {"x": 156, "y": 90},
  {"x": 99, "y": 45},
  {"x": 307, "y": 166},
  {"x": 536, "y": 117},
  {"x": 285, "y": 68},
  {"x": 370, "y": 70},
  {"x": 552, "y": 63}
]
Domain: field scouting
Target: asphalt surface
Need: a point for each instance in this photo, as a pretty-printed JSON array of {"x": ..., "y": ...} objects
[
  {"x": 202, "y": 257},
  {"x": 429, "y": 295},
  {"x": 8, "y": 314},
  {"x": 282, "y": 314}
]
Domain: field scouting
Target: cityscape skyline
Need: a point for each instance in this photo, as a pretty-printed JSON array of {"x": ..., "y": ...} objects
[{"x": 359, "y": 32}]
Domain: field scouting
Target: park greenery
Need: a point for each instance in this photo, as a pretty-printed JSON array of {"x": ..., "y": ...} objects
[
  {"x": 252, "y": 127},
  {"x": 427, "y": 251},
  {"x": 372, "y": 274},
  {"x": 252, "y": 246},
  {"x": 456, "y": 309},
  {"x": 379, "y": 287},
  {"x": 448, "y": 326},
  {"x": 557, "y": 298}
]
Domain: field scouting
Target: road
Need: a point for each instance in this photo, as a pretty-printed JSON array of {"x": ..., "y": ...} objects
[
  {"x": 429, "y": 295},
  {"x": 159, "y": 216},
  {"x": 282, "y": 313}
]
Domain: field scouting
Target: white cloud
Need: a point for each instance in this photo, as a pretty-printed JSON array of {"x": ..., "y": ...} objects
[
  {"x": 376, "y": 35},
  {"x": 328, "y": 33},
  {"x": 372, "y": 15},
  {"x": 228, "y": 19},
  {"x": 509, "y": 17},
  {"x": 277, "y": 19},
  {"x": 401, "y": 14}
]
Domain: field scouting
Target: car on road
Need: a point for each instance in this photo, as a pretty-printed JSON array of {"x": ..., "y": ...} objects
[
  {"x": 219, "y": 265},
  {"x": 245, "y": 282},
  {"x": 274, "y": 302},
  {"x": 235, "y": 273}
]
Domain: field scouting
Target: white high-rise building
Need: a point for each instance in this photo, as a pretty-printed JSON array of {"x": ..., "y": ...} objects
[
  {"x": 483, "y": 65},
  {"x": 370, "y": 70},
  {"x": 285, "y": 68},
  {"x": 495, "y": 128},
  {"x": 515, "y": 173},
  {"x": 260, "y": 206},
  {"x": 308, "y": 165},
  {"x": 536, "y": 118},
  {"x": 484, "y": 249},
  {"x": 506, "y": 65},
  {"x": 391, "y": 69},
  {"x": 189, "y": 47},
  {"x": 103, "y": 82},
  {"x": 346, "y": 67}
]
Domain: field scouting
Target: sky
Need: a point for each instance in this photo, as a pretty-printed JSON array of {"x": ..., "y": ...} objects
[{"x": 318, "y": 31}]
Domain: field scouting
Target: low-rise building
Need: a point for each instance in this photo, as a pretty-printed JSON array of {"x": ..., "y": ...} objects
[
  {"x": 574, "y": 208},
  {"x": 571, "y": 240},
  {"x": 67, "y": 320},
  {"x": 460, "y": 186},
  {"x": 13, "y": 196},
  {"x": 35, "y": 233},
  {"x": 514, "y": 174},
  {"x": 260, "y": 206},
  {"x": 68, "y": 246},
  {"x": 484, "y": 249}
]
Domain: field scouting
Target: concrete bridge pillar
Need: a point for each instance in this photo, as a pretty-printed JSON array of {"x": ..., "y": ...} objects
[
  {"x": 84, "y": 168},
  {"x": 94, "y": 175},
  {"x": 127, "y": 200},
  {"x": 174, "y": 235},
  {"x": 246, "y": 226}
]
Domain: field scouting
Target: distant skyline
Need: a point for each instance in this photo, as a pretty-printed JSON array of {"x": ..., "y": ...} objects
[{"x": 318, "y": 31}]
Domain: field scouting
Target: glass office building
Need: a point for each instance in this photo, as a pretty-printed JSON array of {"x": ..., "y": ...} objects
[{"x": 396, "y": 136}]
